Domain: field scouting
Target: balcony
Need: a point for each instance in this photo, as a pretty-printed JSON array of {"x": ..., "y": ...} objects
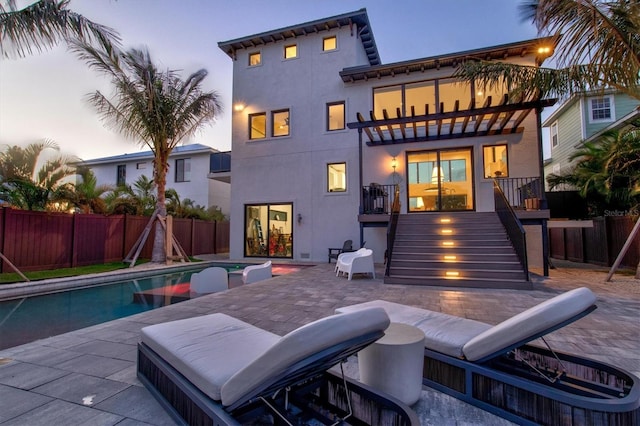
[{"x": 220, "y": 167}]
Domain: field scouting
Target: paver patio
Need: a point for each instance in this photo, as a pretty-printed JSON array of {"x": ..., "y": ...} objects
[{"x": 88, "y": 376}]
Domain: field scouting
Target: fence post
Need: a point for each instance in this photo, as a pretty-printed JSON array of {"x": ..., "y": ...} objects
[
  {"x": 215, "y": 237},
  {"x": 74, "y": 242},
  {"x": 193, "y": 236}
]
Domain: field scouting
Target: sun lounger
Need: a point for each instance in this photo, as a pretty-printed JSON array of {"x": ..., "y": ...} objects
[
  {"x": 218, "y": 369},
  {"x": 495, "y": 369}
]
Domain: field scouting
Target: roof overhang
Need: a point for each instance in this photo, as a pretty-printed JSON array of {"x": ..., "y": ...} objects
[
  {"x": 504, "y": 118},
  {"x": 357, "y": 21},
  {"x": 500, "y": 52}
]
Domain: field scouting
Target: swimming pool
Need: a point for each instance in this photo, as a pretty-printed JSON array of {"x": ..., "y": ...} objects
[{"x": 35, "y": 317}]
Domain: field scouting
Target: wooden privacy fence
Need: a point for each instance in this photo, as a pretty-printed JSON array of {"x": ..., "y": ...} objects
[
  {"x": 35, "y": 241},
  {"x": 599, "y": 245}
]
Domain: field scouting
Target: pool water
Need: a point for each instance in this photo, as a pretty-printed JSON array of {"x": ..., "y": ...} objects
[{"x": 36, "y": 317}]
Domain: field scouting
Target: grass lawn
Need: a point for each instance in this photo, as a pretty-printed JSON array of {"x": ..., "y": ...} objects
[{"x": 12, "y": 277}]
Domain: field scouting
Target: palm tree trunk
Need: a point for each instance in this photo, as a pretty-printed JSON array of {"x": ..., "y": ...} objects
[{"x": 160, "y": 169}]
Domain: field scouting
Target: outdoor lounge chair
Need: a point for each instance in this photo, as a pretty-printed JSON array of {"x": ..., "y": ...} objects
[
  {"x": 209, "y": 280},
  {"x": 334, "y": 252},
  {"x": 360, "y": 263},
  {"x": 218, "y": 369},
  {"x": 255, "y": 273},
  {"x": 493, "y": 368}
]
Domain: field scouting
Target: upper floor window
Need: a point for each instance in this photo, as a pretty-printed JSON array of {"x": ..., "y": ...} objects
[
  {"x": 601, "y": 109},
  {"x": 257, "y": 125},
  {"x": 290, "y": 51},
  {"x": 329, "y": 43},
  {"x": 335, "y": 116},
  {"x": 255, "y": 59},
  {"x": 121, "y": 176},
  {"x": 141, "y": 166},
  {"x": 554, "y": 134},
  {"x": 183, "y": 170},
  {"x": 280, "y": 120},
  {"x": 495, "y": 161},
  {"x": 337, "y": 177}
]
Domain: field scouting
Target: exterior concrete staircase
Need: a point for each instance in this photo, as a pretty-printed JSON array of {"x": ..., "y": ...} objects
[{"x": 459, "y": 249}]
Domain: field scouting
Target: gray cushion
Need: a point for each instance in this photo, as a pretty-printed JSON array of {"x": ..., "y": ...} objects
[
  {"x": 443, "y": 333},
  {"x": 300, "y": 344},
  {"x": 208, "y": 350},
  {"x": 529, "y": 323}
]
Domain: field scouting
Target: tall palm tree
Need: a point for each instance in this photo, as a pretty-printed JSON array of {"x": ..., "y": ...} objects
[
  {"x": 599, "y": 46},
  {"x": 156, "y": 108},
  {"x": 43, "y": 24},
  {"x": 26, "y": 184}
]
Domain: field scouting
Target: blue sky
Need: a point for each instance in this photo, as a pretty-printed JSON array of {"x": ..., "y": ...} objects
[{"x": 42, "y": 96}]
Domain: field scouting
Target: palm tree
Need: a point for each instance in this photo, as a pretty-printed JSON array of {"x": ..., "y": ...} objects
[
  {"x": 43, "y": 24},
  {"x": 156, "y": 108},
  {"x": 24, "y": 185},
  {"x": 599, "y": 46},
  {"x": 86, "y": 195}
]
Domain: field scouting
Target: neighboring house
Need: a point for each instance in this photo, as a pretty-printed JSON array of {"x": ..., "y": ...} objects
[
  {"x": 582, "y": 118},
  {"x": 190, "y": 173},
  {"x": 323, "y": 131}
]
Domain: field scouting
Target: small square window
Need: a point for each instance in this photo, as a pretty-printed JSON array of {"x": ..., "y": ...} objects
[
  {"x": 141, "y": 166},
  {"x": 337, "y": 177},
  {"x": 258, "y": 125},
  {"x": 280, "y": 120},
  {"x": 601, "y": 109},
  {"x": 255, "y": 59},
  {"x": 495, "y": 161},
  {"x": 290, "y": 51},
  {"x": 335, "y": 116},
  {"x": 329, "y": 43}
]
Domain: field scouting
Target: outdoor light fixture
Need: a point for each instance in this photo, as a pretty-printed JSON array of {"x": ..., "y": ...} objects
[
  {"x": 447, "y": 231},
  {"x": 445, "y": 220},
  {"x": 239, "y": 107},
  {"x": 452, "y": 274},
  {"x": 394, "y": 164},
  {"x": 450, "y": 258},
  {"x": 299, "y": 218},
  {"x": 447, "y": 243}
]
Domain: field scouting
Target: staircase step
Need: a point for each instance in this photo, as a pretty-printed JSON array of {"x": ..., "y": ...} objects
[
  {"x": 436, "y": 272},
  {"x": 467, "y": 265},
  {"x": 460, "y": 282}
]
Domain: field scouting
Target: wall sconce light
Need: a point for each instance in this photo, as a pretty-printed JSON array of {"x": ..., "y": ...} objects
[
  {"x": 299, "y": 218},
  {"x": 394, "y": 164},
  {"x": 239, "y": 107}
]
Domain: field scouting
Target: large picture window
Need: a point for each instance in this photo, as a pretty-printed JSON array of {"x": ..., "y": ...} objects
[{"x": 269, "y": 230}]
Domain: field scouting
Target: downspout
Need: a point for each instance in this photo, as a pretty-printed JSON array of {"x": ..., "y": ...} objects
[
  {"x": 361, "y": 183},
  {"x": 545, "y": 231}
]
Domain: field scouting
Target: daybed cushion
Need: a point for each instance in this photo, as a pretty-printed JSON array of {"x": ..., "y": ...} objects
[
  {"x": 529, "y": 323},
  {"x": 209, "y": 349},
  {"x": 443, "y": 333},
  {"x": 301, "y": 344}
]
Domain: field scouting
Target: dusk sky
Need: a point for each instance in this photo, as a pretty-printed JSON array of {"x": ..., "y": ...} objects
[{"x": 43, "y": 96}]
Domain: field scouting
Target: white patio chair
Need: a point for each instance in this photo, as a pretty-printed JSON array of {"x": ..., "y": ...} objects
[
  {"x": 254, "y": 273},
  {"x": 210, "y": 280},
  {"x": 346, "y": 257},
  {"x": 359, "y": 264}
]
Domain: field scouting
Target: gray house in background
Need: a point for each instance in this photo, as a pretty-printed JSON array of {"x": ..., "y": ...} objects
[{"x": 583, "y": 118}]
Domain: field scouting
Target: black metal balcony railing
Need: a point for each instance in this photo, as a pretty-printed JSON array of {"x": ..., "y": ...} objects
[
  {"x": 518, "y": 190},
  {"x": 377, "y": 199},
  {"x": 512, "y": 225}
]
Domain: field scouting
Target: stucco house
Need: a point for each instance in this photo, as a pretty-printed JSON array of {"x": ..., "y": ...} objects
[
  {"x": 192, "y": 173},
  {"x": 582, "y": 118},
  {"x": 330, "y": 144}
]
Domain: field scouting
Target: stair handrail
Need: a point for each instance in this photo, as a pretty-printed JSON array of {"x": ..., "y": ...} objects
[
  {"x": 391, "y": 228},
  {"x": 513, "y": 226}
]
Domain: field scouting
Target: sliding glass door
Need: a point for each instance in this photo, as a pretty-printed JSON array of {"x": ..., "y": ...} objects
[
  {"x": 269, "y": 230},
  {"x": 440, "y": 180}
]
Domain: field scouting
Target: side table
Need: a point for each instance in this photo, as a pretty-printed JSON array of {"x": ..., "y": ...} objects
[{"x": 393, "y": 364}]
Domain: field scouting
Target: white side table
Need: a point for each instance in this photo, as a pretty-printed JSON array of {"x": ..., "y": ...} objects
[{"x": 393, "y": 364}]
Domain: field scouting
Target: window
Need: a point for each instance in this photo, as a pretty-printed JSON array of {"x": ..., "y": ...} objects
[
  {"x": 337, "y": 177},
  {"x": 290, "y": 51},
  {"x": 183, "y": 170},
  {"x": 141, "y": 166},
  {"x": 495, "y": 161},
  {"x": 329, "y": 43},
  {"x": 269, "y": 230},
  {"x": 417, "y": 95},
  {"x": 257, "y": 125},
  {"x": 121, "y": 178},
  {"x": 255, "y": 59},
  {"x": 335, "y": 116},
  {"x": 601, "y": 109},
  {"x": 554, "y": 134},
  {"x": 280, "y": 120},
  {"x": 450, "y": 90}
]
